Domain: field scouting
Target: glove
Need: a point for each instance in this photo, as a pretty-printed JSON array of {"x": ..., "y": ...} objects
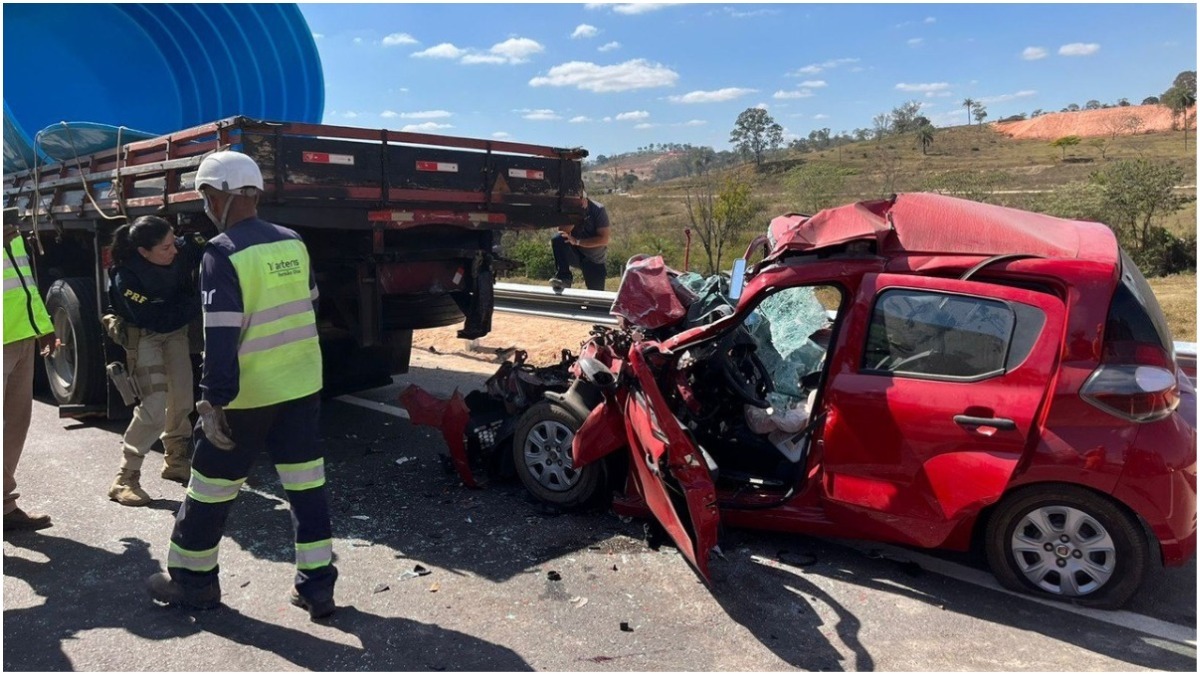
[{"x": 215, "y": 427}]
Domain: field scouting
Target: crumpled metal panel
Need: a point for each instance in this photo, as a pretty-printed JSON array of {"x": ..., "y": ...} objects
[{"x": 647, "y": 298}]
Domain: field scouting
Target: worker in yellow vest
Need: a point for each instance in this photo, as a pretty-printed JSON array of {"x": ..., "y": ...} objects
[
  {"x": 261, "y": 378},
  {"x": 25, "y": 323}
]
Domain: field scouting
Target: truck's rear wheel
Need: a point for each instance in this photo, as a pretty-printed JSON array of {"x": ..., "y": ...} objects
[
  {"x": 76, "y": 369},
  {"x": 408, "y": 312}
]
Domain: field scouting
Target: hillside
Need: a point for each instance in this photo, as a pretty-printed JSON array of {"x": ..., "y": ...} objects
[{"x": 1120, "y": 121}]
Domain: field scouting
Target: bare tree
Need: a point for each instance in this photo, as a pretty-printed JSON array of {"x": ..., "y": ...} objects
[{"x": 719, "y": 215}]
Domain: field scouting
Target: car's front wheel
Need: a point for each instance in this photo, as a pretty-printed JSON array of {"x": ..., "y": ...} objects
[
  {"x": 1067, "y": 543},
  {"x": 543, "y": 462}
]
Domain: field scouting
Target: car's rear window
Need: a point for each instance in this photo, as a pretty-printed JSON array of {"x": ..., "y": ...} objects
[{"x": 1135, "y": 315}]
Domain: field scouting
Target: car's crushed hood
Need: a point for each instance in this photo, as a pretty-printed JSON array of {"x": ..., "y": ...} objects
[{"x": 926, "y": 223}]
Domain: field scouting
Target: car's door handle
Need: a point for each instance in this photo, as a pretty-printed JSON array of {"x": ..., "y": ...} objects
[{"x": 997, "y": 422}]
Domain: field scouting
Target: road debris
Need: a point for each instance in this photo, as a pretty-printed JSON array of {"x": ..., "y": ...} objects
[
  {"x": 625, "y": 627},
  {"x": 361, "y": 517},
  {"x": 403, "y": 460},
  {"x": 553, "y": 576},
  {"x": 435, "y": 587},
  {"x": 416, "y": 571},
  {"x": 578, "y": 601},
  {"x": 379, "y": 588}
]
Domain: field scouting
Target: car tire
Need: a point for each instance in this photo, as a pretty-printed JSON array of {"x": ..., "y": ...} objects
[
  {"x": 1098, "y": 553},
  {"x": 541, "y": 452},
  {"x": 76, "y": 370}
]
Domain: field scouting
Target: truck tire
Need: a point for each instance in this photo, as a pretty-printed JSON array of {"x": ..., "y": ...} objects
[
  {"x": 409, "y": 312},
  {"x": 76, "y": 370}
]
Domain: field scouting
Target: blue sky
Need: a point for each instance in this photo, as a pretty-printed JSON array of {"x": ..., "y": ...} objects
[{"x": 615, "y": 77}]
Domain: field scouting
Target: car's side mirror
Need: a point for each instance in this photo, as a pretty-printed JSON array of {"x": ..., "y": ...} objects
[{"x": 737, "y": 279}]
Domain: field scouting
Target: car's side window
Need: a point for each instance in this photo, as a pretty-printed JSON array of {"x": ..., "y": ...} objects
[{"x": 938, "y": 335}]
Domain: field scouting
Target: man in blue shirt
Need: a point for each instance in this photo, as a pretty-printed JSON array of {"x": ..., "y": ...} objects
[{"x": 585, "y": 246}]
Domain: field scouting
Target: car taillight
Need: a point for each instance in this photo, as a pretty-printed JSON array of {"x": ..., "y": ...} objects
[{"x": 1136, "y": 382}]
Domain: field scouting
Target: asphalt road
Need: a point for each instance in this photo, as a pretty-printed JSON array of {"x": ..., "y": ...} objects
[{"x": 73, "y": 596}]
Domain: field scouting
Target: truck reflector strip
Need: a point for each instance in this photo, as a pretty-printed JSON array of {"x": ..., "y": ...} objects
[
  {"x": 422, "y": 217},
  {"x": 445, "y": 167},
  {"x": 326, "y": 158},
  {"x": 528, "y": 174}
]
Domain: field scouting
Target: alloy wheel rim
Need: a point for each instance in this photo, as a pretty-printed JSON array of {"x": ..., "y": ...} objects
[
  {"x": 547, "y": 454},
  {"x": 62, "y": 361},
  {"x": 1063, "y": 551}
]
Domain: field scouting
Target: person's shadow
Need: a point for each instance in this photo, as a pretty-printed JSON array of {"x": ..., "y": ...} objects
[{"x": 86, "y": 588}]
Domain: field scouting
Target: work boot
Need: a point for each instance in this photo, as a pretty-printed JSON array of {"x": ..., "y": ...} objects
[
  {"x": 127, "y": 489},
  {"x": 558, "y": 284},
  {"x": 176, "y": 466},
  {"x": 166, "y": 590},
  {"x": 317, "y": 609},
  {"x": 19, "y": 520}
]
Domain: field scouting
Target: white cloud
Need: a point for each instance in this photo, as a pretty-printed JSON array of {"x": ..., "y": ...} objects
[
  {"x": 1079, "y": 49},
  {"x": 1033, "y": 53},
  {"x": 738, "y": 14},
  {"x": 633, "y": 115},
  {"x": 426, "y": 127},
  {"x": 540, "y": 115},
  {"x": 426, "y": 114},
  {"x": 389, "y": 114},
  {"x": 820, "y": 116},
  {"x": 609, "y": 46},
  {"x": 715, "y": 96},
  {"x": 695, "y": 123},
  {"x": 472, "y": 59},
  {"x": 501, "y": 134},
  {"x": 399, "y": 39},
  {"x": 813, "y": 84},
  {"x": 580, "y": 119},
  {"x": 923, "y": 88},
  {"x": 517, "y": 50},
  {"x": 318, "y": 36},
  {"x": 358, "y": 41},
  {"x": 814, "y": 68},
  {"x": 583, "y": 30},
  {"x": 607, "y": 119},
  {"x": 915, "y": 42},
  {"x": 801, "y": 93},
  {"x": 635, "y": 74},
  {"x": 626, "y": 8},
  {"x": 1003, "y": 98},
  {"x": 445, "y": 50},
  {"x": 644, "y": 125},
  {"x": 763, "y": 106},
  {"x": 930, "y": 19},
  {"x": 349, "y": 114}
]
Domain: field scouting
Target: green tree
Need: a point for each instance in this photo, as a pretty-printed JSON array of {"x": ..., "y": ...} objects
[
  {"x": 719, "y": 215},
  {"x": 925, "y": 137},
  {"x": 1180, "y": 98},
  {"x": 904, "y": 117},
  {"x": 754, "y": 132},
  {"x": 979, "y": 111},
  {"x": 1066, "y": 142},
  {"x": 1101, "y": 144},
  {"x": 978, "y": 186},
  {"x": 816, "y": 186},
  {"x": 1135, "y": 192},
  {"x": 968, "y": 103},
  {"x": 1150, "y": 100}
]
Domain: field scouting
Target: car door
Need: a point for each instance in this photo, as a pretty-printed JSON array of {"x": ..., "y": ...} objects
[
  {"x": 671, "y": 471},
  {"x": 937, "y": 388}
]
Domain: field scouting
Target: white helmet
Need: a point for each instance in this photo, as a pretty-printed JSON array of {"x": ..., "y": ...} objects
[{"x": 229, "y": 171}]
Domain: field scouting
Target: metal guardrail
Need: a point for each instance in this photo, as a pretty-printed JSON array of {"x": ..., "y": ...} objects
[
  {"x": 593, "y": 307},
  {"x": 569, "y": 304}
]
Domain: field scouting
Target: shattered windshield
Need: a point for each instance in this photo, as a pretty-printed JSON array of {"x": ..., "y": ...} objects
[{"x": 783, "y": 325}]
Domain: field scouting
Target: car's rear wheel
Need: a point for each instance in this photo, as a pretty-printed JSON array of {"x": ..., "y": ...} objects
[
  {"x": 1067, "y": 543},
  {"x": 542, "y": 458}
]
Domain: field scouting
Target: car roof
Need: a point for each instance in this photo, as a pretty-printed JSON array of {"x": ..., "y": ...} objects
[{"x": 934, "y": 224}]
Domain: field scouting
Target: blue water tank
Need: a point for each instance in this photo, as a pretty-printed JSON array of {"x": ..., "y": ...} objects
[{"x": 155, "y": 67}]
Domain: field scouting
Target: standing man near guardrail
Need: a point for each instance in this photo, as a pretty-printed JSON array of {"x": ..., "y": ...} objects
[
  {"x": 26, "y": 324},
  {"x": 261, "y": 383},
  {"x": 585, "y": 246}
]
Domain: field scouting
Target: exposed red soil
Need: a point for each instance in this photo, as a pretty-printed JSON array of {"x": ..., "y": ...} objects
[{"x": 1103, "y": 122}]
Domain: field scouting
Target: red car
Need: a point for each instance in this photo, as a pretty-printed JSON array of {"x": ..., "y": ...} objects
[{"x": 924, "y": 370}]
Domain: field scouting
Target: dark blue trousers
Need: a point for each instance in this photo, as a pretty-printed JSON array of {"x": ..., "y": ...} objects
[
  {"x": 567, "y": 256},
  {"x": 288, "y": 432}
]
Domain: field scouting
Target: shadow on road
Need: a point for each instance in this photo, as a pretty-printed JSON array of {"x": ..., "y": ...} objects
[{"x": 87, "y": 588}]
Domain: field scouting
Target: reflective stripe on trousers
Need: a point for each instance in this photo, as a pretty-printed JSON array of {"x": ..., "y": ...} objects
[
  {"x": 213, "y": 490},
  {"x": 195, "y": 561},
  {"x": 315, "y": 554},
  {"x": 302, "y": 476}
]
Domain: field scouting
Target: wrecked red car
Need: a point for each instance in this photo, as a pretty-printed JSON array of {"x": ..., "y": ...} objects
[{"x": 923, "y": 370}]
